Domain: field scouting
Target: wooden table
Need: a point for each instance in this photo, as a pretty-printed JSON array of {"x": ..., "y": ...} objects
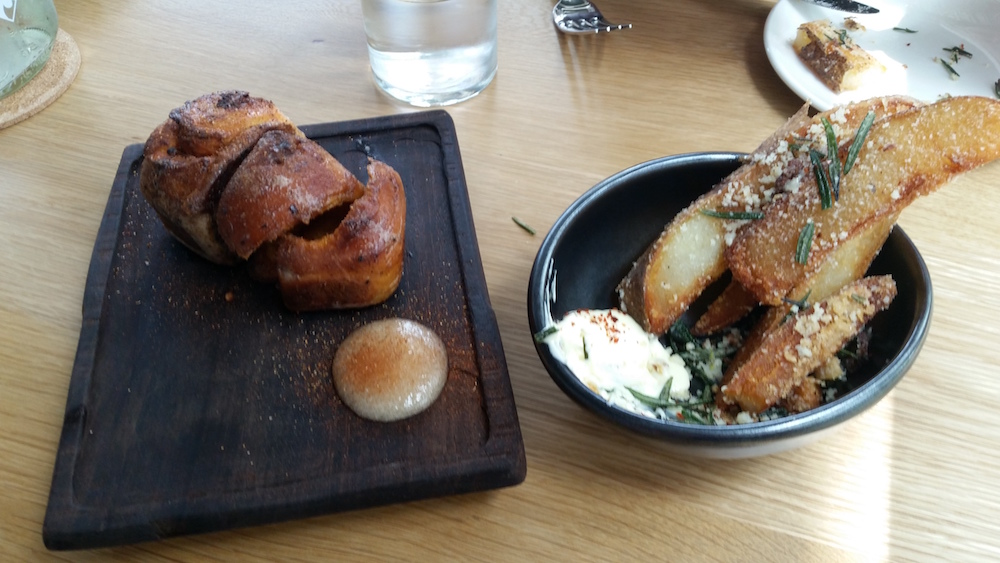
[{"x": 916, "y": 477}]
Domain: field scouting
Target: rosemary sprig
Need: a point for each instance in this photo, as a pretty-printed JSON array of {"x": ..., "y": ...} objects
[
  {"x": 904, "y": 29},
  {"x": 739, "y": 215},
  {"x": 541, "y": 335},
  {"x": 523, "y": 225},
  {"x": 801, "y": 303},
  {"x": 956, "y": 51},
  {"x": 859, "y": 141},
  {"x": 805, "y": 242},
  {"x": 822, "y": 178},
  {"x": 951, "y": 70},
  {"x": 833, "y": 154}
]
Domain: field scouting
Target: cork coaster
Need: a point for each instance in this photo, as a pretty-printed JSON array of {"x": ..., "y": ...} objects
[{"x": 50, "y": 83}]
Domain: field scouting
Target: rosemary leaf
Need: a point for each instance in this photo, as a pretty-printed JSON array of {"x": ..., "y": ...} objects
[
  {"x": 822, "y": 178},
  {"x": 651, "y": 401},
  {"x": 667, "y": 388},
  {"x": 523, "y": 225},
  {"x": 958, "y": 51},
  {"x": 859, "y": 141},
  {"x": 739, "y": 215},
  {"x": 541, "y": 335},
  {"x": 586, "y": 353},
  {"x": 801, "y": 303},
  {"x": 858, "y": 299},
  {"x": 951, "y": 70},
  {"x": 833, "y": 154},
  {"x": 805, "y": 242},
  {"x": 904, "y": 29}
]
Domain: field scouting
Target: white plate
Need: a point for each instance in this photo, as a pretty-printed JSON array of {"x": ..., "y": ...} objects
[{"x": 910, "y": 59}]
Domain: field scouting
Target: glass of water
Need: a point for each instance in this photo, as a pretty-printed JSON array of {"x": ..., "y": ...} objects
[
  {"x": 27, "y": 31},
  {"x": 431, "y": 52}
]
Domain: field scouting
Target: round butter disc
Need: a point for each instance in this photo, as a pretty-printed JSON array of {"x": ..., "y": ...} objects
[{"x": 390, "y": 369}]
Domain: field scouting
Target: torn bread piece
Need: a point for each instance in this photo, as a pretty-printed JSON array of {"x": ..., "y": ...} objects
[{"x": 834, "y": 57}]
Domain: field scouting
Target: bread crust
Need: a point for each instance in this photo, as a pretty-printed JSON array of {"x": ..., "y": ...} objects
[
  {"x": 284, "y": 182},
  {"x": 189, "y": 158},
  {"x": 359, "y": 263}
]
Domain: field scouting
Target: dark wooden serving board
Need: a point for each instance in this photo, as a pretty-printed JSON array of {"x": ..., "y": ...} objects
[{"x": 198, "y": 403}]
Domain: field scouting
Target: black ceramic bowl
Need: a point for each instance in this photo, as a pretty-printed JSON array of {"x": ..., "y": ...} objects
[{"x": 592, "y": 246}]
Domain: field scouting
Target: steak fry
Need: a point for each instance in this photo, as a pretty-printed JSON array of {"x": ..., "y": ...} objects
[
  {"x": 690, "y": 253},
  {"x": 803, "y": 343},
  {"x": 905, "y": 155}
]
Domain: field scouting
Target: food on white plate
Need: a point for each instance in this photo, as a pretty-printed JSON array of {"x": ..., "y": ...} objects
[
  {"x": 233, "y": 179},
  {"x": 833, "y": 56},
  {"x": 390, "y": 369},
  {"x": 689, "y": 255}
]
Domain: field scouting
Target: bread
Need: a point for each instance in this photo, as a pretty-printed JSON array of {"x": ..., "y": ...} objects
[
  {"x": 189, "y": 158},
  {"x": 233, "y": 179},
  {"x": 357, "y": 263},
  {"x": 286, "y": 181},
  {"x": 833, "y": 56},
  {"x": 390, "y": 369}
]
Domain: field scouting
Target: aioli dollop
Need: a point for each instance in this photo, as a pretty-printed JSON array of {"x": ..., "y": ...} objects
[{"x": 610, "y": 353}]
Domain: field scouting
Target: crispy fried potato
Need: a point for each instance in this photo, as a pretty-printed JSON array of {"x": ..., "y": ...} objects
[
  {"x": 690, "y": 252},
  {"x": 734, "y": 303},
  {"x": 803, "y": 343},
  {"x": 905, "y": 155}
]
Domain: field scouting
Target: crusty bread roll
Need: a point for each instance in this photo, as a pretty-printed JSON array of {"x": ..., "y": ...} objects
[
  {"x": 359, "y": 262},
  {"x": 390, "y": 369},
  {"x": 284, "y": 182},
  {"x": 233, "y": 179},
  {"x": 189, "y": 158}
]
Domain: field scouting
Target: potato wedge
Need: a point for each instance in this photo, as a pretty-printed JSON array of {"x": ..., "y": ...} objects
[
  {"x": 905, "y": 155},
  {"x": 690, "y": 252},
  {"x": 803, "y": 343},
  {"x": 734, "y": 303}
]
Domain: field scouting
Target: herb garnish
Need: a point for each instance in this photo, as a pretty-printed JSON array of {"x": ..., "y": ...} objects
[
  {"x": 739, "y": 215},
  {"x": 956, "y": 51},
  {"x": 805, "y": 242},
  {"x": 822, "y": 178},
  {"x": 858, "y": 299},
  {"x": 523, "y": 225},
  {"x": 586, "y": 354},
  {"x": 859, "y": 141},
  {"x": 904, "y": 29},
  {"x": 996, "y": 88},
  {"x": 833, "y": 154},
  {"x": 801, "y": 303},
  {"x": 541, "y": 335},
  {"x": 951, "y": 70}
]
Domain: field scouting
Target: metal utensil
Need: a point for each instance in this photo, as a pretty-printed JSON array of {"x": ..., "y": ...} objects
[
  {"x": 582, "y": 16},
  {"x": 845, "y": 6}
]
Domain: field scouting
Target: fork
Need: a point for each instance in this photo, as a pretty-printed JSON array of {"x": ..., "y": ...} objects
[{"x": 582, "y": 16}]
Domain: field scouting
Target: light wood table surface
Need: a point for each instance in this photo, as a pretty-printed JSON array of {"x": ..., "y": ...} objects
[{"x": 915, "y": 478}]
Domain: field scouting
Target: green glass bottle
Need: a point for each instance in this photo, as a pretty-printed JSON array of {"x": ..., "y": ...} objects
[{"x": 27, "y": 31}]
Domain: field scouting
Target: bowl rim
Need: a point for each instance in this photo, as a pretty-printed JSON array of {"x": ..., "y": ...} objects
[{"x": 736, "y": 435}]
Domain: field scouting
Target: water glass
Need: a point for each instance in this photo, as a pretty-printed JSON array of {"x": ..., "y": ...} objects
[{"x": 431, "y": 52}]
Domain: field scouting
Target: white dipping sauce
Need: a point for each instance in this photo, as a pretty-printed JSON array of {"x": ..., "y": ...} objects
[{"x": 610, "y": 353}]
